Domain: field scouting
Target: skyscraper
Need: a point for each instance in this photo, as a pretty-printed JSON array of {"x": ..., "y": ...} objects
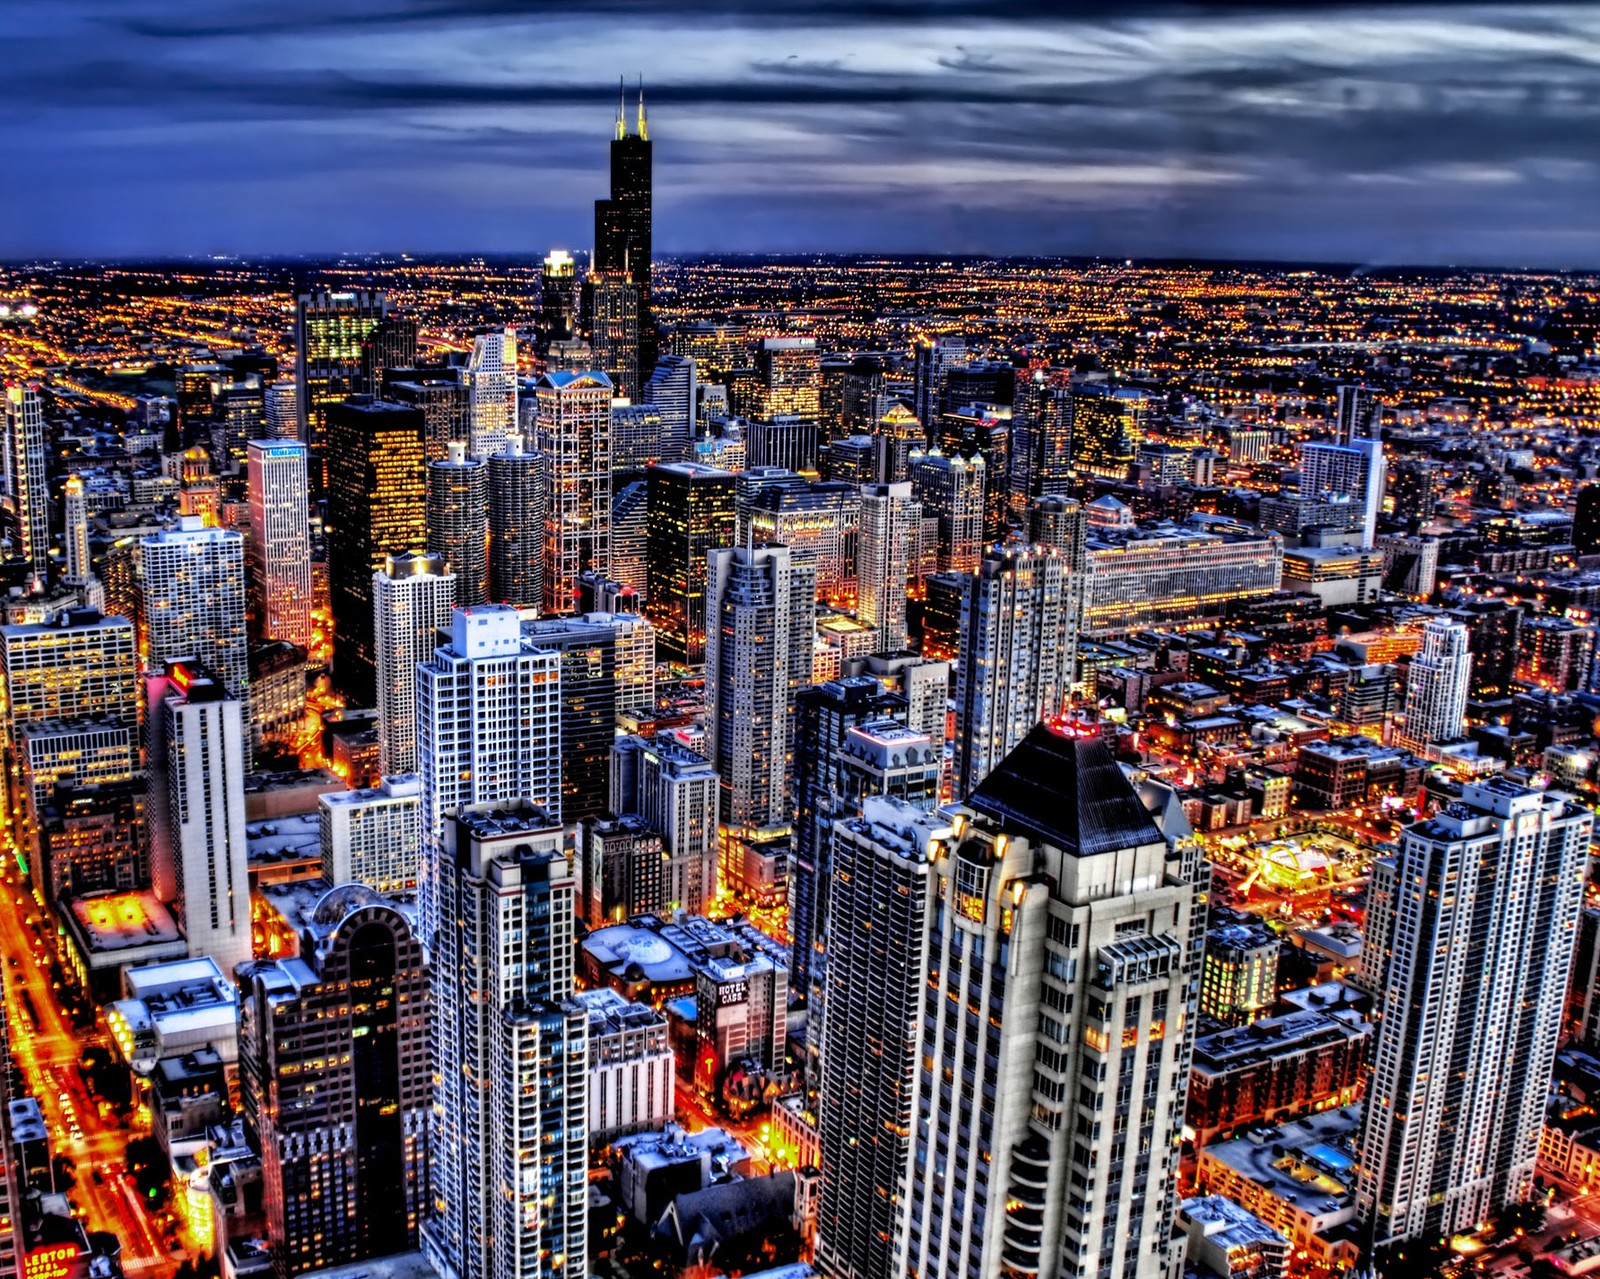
[
  {"x": 1473, "y": 922},
  {"x": 790, "y": 370},
  {"x": 614, "y": 333},
  {"x": 1041, "y": 454},
  {"x": 75, "y": 533},
  {"x": 458, "y": 520},
  {"x": 335, "y": 1082},
  {"x": 690, "y": 512},
  {"x": 492, "y": 383},
  {"x": 197, "y": 839},
  {"x": 760, "y": 627},
  {"x": 934, "y": 357},
  {"x": 1438, "y": 685},
  {"x": 574, "y": 424},
  {"x": 558, "y": 297},
  {"x": 373, "y": 835},
  {"x": 1107, "y": 425},
  {"x": 446, "y": 404},
  {"x": 412, "y": 595},
  {"x": 78, "y": 665},
  {"x": 951, "y": 490},
  {"x": 518, "y": 488},
  {"x": 280, "y": 540},
  {"x": 392, "y": 344},
  {"x": 1018, "y": 649},
  {"x": 1355, "y": 470},
  {"x": 194, "y": 600},
  {"x": 329, "y": 333},
  {"x": 786, "y": 440},
  {"x": 824, "y": 714},
  {"x": 510, "y": 1144},
  {"x": 630, "y": 535},
  {"x": 671, "y": 389},
  {"x": 622, "y": 224},
  {"x": 636, "y": 442},
  {"x": 895, "y": 436},
  {"x": 376, "y": 508},
  {"x": 819, "y": 522},
  {"x": 79, "y": 671},
  {"x": 883, "y": 867},
  {"x": 1585, "y": 523},
  {"x": 587, "y": 662},
  {"x": 1061, "y": 522},
  {"x": 26, "y": 497},
  {"x": 675, "y": 791},
  {"x": 1062, "y": 956},
  {"x": 283, "y": 412},
  {"x": 1356, "y": 414},
  {"x": 488, "y": 724},
  {"x": 891, "y": 532}
]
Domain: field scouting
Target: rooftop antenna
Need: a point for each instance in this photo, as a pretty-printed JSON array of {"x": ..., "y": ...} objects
[
  {"x": 622, "y": 108},
  {"x": 644, "y": 127}
]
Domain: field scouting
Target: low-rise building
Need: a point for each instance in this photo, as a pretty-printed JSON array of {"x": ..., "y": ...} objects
[
  {"x": 1275, "y": 1068},
  {"x": 654, "y": 1168},
  {"x": 1299, "y": 1178},
  {"x": 1239, "y": 975},
  {"x": 107, "y": 933},
  {"x": 373, "y": 835},
  {"x": 731, "y": 982},
  {"x": 171, "y": 1009},
  {"x": 1226, "y": 1241},
  {"x": 630, "y": 1066},
  {"x": 1347, "y": 771}
]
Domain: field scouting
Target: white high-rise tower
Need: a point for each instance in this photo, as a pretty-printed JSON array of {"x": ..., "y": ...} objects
[
  {"x": 492, "y": 372},
  {"x": 1473, "y": 921},
  {"x": 75, "y": 522},
  {"x": 412, "y": 596},
  {"x": 1436, "y": 689},
  {"x": 760, "y": 627},
  {"x": 198, "y": 847},
  {"x": 27, "y": 506},
  {"x": 891, "y": 532},
  {"x": 1048, "y": 1078},
  {"x": 194, "y": 600},
  {"x": 488, "y": 725}
]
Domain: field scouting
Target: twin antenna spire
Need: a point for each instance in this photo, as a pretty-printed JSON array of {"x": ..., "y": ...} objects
[{"x": 643, "y": 127}]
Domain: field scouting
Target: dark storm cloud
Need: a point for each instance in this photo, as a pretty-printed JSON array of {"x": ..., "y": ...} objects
[{"x": 1373, "y": 132}]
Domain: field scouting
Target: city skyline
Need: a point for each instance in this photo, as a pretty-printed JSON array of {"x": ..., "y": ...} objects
[{"x": 1371, "y": 134}]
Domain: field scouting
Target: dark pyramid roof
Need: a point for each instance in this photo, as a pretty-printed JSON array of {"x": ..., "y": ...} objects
[{"x": 1066, "y": 790}]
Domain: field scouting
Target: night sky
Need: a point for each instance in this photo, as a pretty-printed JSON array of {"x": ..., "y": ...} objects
[{"x": 1438, "y": 133}]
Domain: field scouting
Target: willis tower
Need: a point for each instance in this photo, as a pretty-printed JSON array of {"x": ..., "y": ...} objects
[{"x": 622, "y": 223}]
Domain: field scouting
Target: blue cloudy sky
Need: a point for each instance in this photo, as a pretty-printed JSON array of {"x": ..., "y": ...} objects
[{"x": 1377, "y": 133}]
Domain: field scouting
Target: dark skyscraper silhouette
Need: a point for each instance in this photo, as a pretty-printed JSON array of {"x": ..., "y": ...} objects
[
  {"x": 1586, "y": 524},
  {"x": 622, "y": 223}
]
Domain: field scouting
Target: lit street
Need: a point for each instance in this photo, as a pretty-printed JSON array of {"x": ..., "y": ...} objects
[{"x": 49, "y": 1050}]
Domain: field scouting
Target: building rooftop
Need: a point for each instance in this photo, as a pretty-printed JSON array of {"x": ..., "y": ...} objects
[
  {"x": 1227, "y": 1224},
  {"x": 1310, "y": 1164},
  {"x": 124, "y": 921},
  {"x": 611, "y": 1014},
  {"x": 1265, "y": 1038},
  {"x": 1068, "y": 791}
]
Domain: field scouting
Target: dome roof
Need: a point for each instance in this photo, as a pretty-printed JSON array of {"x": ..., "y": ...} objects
[{"x": 339, "y": 901}]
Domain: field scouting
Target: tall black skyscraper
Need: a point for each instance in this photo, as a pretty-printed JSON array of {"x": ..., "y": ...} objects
[
  {"x": 622, "y": 223},
  {"x": 1586, "y": 524},
  {"x": 376, "y": 508}
]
